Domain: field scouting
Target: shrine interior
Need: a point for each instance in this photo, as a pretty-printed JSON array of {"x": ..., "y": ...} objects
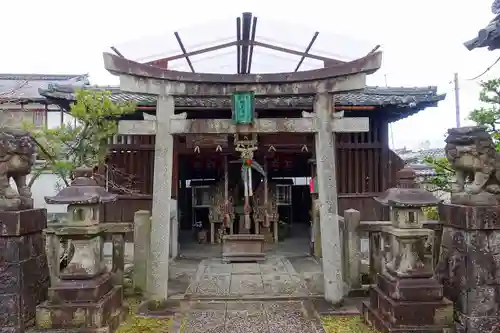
[{"x": 287, "y": 161}]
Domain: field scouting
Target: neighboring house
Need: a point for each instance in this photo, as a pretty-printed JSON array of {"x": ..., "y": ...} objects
[
  {"x": 489, "y": 36},
  {"x": 416, "y": 161},
  {"x": 418, "y": 156},
  {"x": 20, "y": 100}
]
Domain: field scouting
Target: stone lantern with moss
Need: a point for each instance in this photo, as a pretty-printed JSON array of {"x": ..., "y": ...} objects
[
  {"x": 82, "y": 293},
  {"x": 406, "y": 214},
  {"x": 406, "y": 294}
]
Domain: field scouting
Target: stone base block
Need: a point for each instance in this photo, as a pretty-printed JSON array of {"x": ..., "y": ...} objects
[
  {"x": 22, "y": 222},
  {"x": 468, "y": 217},
  {"x": 243, "y": 248},
  {"x": 404, "y": 313},
  {"x": 373, "y": 318},
  {"x": 81, "y": 290},
  {"x": 82, "y": 317},
  {"x": 417, "y": 289}
]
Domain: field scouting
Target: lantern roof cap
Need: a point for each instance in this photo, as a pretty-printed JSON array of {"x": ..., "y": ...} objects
[
  {"x": 83, "y": 190},
  {"x": 407, "y": 193}
]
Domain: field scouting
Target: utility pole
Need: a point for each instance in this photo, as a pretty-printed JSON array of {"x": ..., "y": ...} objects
[{"x": 457, "y": 100}]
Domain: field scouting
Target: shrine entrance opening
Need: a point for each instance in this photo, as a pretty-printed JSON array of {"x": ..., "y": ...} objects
[{"x": 221, "y": 192}]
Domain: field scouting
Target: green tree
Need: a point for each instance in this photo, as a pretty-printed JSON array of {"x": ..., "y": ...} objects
[
  {"x": 488, "y": 115},
  {"x": 83, "y": 143}
]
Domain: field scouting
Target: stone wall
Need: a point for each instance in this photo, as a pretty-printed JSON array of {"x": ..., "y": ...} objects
[{"x": 469, "y": 267}]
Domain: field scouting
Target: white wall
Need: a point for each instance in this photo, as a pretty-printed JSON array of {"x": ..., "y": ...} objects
[{"x": 44, "y": 186}]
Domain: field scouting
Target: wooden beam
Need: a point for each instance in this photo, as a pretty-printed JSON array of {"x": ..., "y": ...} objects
[
  {"x": 115, "y": 50},
  {"x": 308, "y": 48},
  {"x": 252, "y": 39},
  {"x": 295, "y": 52},
  {"x": 238, "y": 45},
  {"x": 183, "y": 49},
  {"x": 201, "y": 51},
  {"x": 262, "y": 125}
]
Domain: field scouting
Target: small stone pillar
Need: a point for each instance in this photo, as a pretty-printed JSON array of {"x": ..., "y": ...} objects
[
  {"x": 406, "y": 297},
  {"x": 24, "y": 275},
  {"x": 469, "y": 264},
  {"x": 83, "y": 297},
  {"x": 142, "y": 249}
]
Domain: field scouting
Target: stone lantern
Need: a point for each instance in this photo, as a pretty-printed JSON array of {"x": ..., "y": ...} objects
[
  {"x": 406, "y": 294},
  {"x": 405, "y": 203},
  {"x": 82, "y": 292}
]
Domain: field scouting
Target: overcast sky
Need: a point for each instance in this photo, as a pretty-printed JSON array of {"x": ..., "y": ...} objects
[{"x": 422, "y": 41}]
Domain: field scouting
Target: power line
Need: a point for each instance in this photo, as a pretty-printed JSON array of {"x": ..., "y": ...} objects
[{"x": 486, "y": 71}]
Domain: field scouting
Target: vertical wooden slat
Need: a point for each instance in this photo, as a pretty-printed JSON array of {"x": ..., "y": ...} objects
[{"x": 357, "y": 164}]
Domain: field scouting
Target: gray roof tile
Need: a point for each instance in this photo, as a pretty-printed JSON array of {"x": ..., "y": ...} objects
[
  {"x": 27, "y": 86},
  {"x": 371, "y": 96}
]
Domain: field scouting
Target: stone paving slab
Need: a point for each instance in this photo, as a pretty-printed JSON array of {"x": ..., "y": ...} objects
[
  {"x": 275, "y": 277},
  {"x": 213, "y": 285},
  {"x": 246, "y": 285},
  {"x": 284, "y": 285},
  {"x": 245, "y": 268}
]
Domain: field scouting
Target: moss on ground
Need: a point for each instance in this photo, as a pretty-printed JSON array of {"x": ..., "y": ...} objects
[
  {"x": 345, "y": 324},
  {"x": 138, "y": 324}
]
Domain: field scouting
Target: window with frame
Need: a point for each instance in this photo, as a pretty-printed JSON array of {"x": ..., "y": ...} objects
[
  {"x": 201, "y": 196},
  {"x": 283, "y": 194}
]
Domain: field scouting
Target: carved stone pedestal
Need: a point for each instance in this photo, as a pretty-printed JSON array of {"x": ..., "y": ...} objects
[
  {"x": 82, "y": 306},
  {"x": 469, "y": 265},
  {"x": 243, "y": 248},
  {"x": 407, "y": 305},
  {"x": 24, "y": 275}
]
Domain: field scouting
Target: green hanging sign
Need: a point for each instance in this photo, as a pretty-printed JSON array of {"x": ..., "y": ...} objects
[{"x": 243, "y": 107}]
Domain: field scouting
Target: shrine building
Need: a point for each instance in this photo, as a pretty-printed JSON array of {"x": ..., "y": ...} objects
[{"x": 247, "y": 153}]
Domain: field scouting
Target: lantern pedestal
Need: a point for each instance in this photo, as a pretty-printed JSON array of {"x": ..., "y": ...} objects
[
  {"x": 406, "y": 296},
  {"x": 407, "y": 305},
  {"x": 84, "y": 299}
]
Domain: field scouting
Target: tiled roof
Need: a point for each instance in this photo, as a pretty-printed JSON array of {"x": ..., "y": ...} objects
[
  {"x": 418, "y": 156},
  {"x": 27, "y": 86},
  {"x": 422, "y": 170},
  {"x": 371, "y": 96},
  {"x": 37, "y": 77}
]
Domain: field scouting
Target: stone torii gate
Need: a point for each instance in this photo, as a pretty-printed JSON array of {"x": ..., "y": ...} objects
[{"x": 322, "y": 83}]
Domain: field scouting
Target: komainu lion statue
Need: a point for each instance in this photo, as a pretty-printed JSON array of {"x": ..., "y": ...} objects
[
  {"x": 17, "y": 151},
  {"x": 472, "y": 155}
]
